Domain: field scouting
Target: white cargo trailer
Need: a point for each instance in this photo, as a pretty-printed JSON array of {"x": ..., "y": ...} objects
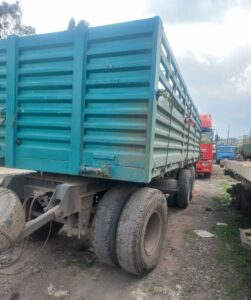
[{"x": 241, "y": 192}]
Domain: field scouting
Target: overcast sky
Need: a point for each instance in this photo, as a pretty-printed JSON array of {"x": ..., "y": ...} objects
[{"x": 210, "y": 38}]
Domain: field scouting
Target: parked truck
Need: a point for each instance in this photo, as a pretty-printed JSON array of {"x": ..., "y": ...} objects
[
  {"x": 205, "y": 164},
  {"x": 245, "y": 147},
  {"x": 225, "y": 152},
  {"x": 246, "y": 151},
  {"x": 241, "y": 191},
  {"x": 104, "y": 117}
]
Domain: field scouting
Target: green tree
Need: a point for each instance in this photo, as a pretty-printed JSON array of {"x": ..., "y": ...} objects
[
  {"x": 72, "y": 24},
  {"x": 11, "y": 20}
]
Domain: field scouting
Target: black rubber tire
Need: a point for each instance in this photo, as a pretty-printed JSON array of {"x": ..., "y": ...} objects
[
  {"x": 42, "y": 232},
  {"x": 106, "y": 222},
  {"x": 192, "y": 170},
  {"x": 145, "y": 207},
  {"x": 184, "y": 184},
  {"x": 171, "y": 200},
  {"x": 207, "y": 175},
  {"x": 12, "y": 218},
  {"x": 236, "y": 201},
  {"x": 165, "y": 185}
]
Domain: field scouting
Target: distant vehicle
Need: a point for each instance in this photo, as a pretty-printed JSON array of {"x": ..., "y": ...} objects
[
  {"x": 246, "y": 151},
  {"x": 241, "y": 191},
  {"x": 225, "y": 152},
  {"x": 244, "y": 147},
  {"x": 205, "y": 164}
]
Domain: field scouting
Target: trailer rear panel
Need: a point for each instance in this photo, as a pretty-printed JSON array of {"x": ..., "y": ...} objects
[{"x": 89, "y": 102}]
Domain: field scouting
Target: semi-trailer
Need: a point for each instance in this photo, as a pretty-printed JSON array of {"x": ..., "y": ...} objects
[
  {"x": 104, "y": 117},
  {"x": 244, "y": 147},
  {"x": 246, "y": 151},
  {"x": 241, "y": 191}
]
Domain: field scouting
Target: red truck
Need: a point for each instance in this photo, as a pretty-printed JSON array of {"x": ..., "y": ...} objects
[{"x": 205, "y": 164}]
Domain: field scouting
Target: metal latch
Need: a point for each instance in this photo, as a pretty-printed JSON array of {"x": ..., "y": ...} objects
[
  {"x": 15, "y": 117},
  {"x": 104, "y": 171}
]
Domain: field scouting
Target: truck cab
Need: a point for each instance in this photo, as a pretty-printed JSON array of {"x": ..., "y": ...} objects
[
  {"x": 225, "y": 152},
  {"x": 205, "y": 164}
]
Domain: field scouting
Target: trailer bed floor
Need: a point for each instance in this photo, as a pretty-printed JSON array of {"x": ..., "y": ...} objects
[{"x": 241, "y": 168}]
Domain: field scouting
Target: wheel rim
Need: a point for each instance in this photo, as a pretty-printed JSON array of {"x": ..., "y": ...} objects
[{"x": 152, "y": 233}]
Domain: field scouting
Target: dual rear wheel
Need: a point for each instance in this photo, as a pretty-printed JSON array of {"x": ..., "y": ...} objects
[
  {"x": 130, "y": 224},
  {"x": 184, "y": 195},
  {"x": 184, "y": 188},
  {"x": 130, "y": 232}
]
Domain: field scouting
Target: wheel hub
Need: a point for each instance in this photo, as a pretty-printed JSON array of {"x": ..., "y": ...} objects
[{"x": 152, "y": 233}]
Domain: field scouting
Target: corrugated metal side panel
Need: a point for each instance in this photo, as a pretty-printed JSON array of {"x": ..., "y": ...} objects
[
  {"x": 168, "y": 141},
  {"x": 86, "y": 100},
  {"x": 193, "y": 136},
  {"x": 117, "y": 99},
  {"x": 3, "y": 93},
  {"x": 177, "y": 124},
  {"x": 44, "y": 95}
]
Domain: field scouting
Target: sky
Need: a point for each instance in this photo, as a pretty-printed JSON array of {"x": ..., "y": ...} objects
[{"x": 210, "y": 39}]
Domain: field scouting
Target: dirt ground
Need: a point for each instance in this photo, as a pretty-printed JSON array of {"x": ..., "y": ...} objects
[{"x": 190, "y": 266}]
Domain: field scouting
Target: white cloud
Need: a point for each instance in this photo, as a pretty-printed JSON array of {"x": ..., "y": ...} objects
[
  {"x": 53, "y": 15},
  {"x": 242, "y": 82},
  {"x": 215, "y": 38},
  {"x": 210, "y": 38},
  {"x": 218, "y": 39}
]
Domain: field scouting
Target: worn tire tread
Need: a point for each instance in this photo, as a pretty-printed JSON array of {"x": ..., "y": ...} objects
[
  {"x": 12, "y": 219},
  {"x": 184, "y": 185},
  {"x": 129, "y": 228},
  {"x": 106, "y": 221},
  {"x": 192, "y": 170}
]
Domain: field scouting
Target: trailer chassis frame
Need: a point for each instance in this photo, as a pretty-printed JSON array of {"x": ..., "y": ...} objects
[{"x": 71, "y": 199}]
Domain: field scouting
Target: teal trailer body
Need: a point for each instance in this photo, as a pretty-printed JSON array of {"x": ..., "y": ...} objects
[{"x": 105, "y": 102}]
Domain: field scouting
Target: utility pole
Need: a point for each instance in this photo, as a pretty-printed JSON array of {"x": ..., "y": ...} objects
[{"x": 228, "y": 133}]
